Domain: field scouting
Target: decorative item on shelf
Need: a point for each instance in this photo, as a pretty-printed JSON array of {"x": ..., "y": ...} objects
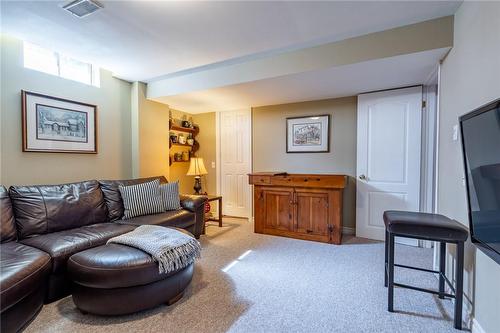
[
  {"x": 190, "y": 140},
  {"x": 186, "y": 124},
  {"x": 185, "y": 156},
  {"x": 308, "y": 134},
  {"x": 173, "y": 137},
  {"x": 197, "y": 169},
  {"x": 56, "y": 125},
  {"x": 178, "y": 157},
  {"x": 181, "y": 139}
]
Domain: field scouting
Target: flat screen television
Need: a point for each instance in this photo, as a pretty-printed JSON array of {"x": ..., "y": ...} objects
[{"x": 480, "y": 130}]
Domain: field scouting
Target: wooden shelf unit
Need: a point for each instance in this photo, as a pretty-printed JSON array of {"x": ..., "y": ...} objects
[
  {"x": 180, "y": 145},
  {"x": 192, "y": 148},
  {"x": 174, "y": 127}
]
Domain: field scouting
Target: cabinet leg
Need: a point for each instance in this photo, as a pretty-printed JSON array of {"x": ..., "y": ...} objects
[{"x": 220, "y": 213}]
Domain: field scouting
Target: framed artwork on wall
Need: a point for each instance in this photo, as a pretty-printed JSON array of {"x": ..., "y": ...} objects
[
  {"x": 56, "y": 125},
  {"x": 308, "y": 134}
]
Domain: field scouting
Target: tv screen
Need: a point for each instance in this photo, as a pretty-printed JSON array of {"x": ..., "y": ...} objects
[{"x": 480, "y": 131}]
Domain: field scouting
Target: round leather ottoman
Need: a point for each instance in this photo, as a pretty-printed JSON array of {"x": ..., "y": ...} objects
[{"x": 117, "y": 279}]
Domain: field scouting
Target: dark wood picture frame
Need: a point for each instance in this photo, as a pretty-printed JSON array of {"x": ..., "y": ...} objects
[
  {"x": 327, "y": 134},
  {"x": 25, "y": 148}
]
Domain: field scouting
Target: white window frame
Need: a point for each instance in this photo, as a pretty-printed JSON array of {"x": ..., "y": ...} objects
[{"x": 93, "y": 75}]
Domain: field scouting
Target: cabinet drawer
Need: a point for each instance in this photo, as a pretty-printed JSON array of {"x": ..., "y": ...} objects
[{"x": 260, "y": 180}]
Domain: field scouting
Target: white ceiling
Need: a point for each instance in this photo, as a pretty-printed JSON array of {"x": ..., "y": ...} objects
[
  {"x": 350, "y": 80},
  {"x": 140, "y": 40}
]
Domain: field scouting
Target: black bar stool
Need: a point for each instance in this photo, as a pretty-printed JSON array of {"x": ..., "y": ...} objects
[{"x": 431, "y": 227}]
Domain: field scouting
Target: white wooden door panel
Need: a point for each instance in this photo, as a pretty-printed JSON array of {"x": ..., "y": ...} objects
[
  {"x": 387, "y": 146},
  {"x": 388, "y": 157},
  {"x": 235, "y": 131}
]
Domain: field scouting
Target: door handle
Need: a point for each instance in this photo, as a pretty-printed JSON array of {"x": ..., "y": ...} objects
[{"x": 362, "y": 177}]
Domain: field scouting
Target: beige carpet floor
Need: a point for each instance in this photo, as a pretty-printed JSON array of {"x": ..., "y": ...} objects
[{"x": 278, "y": 285}]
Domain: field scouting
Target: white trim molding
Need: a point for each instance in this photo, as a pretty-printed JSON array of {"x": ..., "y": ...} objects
[
  {"x": 217, "y": 151},
  {"x": 348, "y": 231}
]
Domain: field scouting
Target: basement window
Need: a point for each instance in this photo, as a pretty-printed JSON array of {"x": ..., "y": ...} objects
[{"x": 54, "y": 63}]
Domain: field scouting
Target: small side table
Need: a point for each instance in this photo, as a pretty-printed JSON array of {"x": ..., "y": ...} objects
[{"x": 219, "y": 199}]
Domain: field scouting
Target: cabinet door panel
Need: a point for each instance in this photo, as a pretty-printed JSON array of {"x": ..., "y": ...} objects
[
  {"x": 278, "y": 209},
  {"x": 312, "y": 213}
]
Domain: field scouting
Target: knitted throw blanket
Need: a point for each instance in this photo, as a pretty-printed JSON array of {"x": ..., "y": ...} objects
[{"x": 171, "y": 248}]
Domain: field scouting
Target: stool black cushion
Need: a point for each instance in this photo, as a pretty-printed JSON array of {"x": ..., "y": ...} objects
[{"x": 424, "y": 226}]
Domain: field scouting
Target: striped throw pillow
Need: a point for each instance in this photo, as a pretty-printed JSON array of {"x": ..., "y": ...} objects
[
  {"x": 170, "y": 196},
  {"x": 141, "y": 199}
]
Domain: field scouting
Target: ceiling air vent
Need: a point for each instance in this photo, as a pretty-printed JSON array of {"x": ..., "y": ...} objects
[{"x": 82, "y": 8}]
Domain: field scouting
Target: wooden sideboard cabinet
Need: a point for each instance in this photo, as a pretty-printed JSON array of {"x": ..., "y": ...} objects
[{"x": 300, "y": 206}]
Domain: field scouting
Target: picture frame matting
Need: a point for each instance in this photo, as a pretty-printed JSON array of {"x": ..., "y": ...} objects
[{"x": 308, "y": 134}]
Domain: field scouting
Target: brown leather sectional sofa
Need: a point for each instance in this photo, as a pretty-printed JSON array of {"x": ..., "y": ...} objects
[{"x": 43, "y": 226}]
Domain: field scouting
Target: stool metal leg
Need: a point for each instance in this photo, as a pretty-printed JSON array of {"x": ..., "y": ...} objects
[
  {"x": 390, "y": 293},
  {"x": 386, "y": 255},
  {"x": 442, "y": 268},
  {"x": 459, "y": 278}
]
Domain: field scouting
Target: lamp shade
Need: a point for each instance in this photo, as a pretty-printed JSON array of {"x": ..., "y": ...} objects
[{"x": 196, "y": 167}]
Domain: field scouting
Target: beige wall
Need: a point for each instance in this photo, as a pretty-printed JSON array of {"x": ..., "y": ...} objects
[
  {"x": 150, "y": 129},
  {"x": 469, "y": 79},
  {"x": 132, "y": 130},
  {"x": 112, "y": 99},
  {"x": 418, "y": 37},
  {"x": 207, "y": 151},
  {"x": 269, "y": 143}
]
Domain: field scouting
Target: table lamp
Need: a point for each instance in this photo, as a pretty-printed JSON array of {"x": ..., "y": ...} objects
[{"x": 197, "y": 169}]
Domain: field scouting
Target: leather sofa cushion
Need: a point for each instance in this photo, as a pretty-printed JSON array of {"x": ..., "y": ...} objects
[
  {"x": 7, "y": 222},
  {"x": 61, "y": 245},
  {"x": 114, "y": 266},
  {"x": 112, "y": 195},
  {"x": 181, "y": 218},
  {"x": 43, "y": 209},
  {"x": 24, "y": 270}
]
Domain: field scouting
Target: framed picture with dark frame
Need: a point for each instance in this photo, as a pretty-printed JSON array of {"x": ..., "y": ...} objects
[
  {"x": 309, "y": 134},
  {"x": 57, "y": 125}
]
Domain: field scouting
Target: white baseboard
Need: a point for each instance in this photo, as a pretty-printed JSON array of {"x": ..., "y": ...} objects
[
  {"x": 476, "y": 328},
  {"x": 348, "y": 231}
]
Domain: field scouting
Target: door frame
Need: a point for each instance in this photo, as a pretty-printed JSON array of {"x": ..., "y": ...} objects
[
  {"x": 402, "y": 240},
  {"x": 429, "y": 153},
  {"x": 430, "y": 127},
  {"x": 435, "y": 77},
  {"x": 218, "y": 164}
]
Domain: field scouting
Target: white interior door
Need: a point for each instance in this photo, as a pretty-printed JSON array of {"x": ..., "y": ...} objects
[
  {"x": 388, "y": 158},
  {"x": 235, "y": 161}
]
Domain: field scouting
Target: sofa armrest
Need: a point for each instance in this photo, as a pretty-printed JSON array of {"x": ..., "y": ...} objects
[
  {"x": 192, "y": 202},
  {"x": 195, "y": 204}
]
